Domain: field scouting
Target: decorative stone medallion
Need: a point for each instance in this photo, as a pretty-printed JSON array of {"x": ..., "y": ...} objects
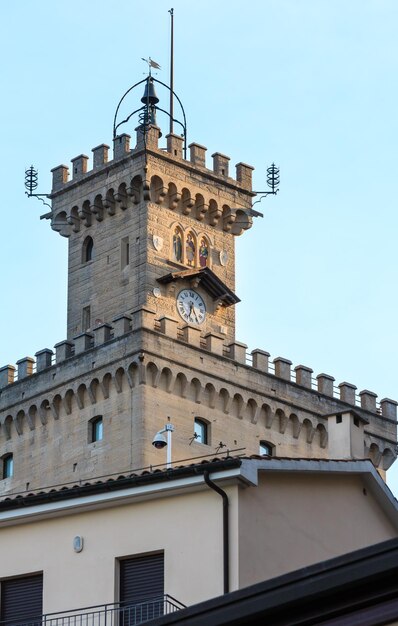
[
  {"x": 223, "y": 257},
  {"x": 157, "y": 242}
]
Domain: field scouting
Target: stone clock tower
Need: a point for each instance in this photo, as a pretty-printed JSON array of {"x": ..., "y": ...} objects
[
  {"x": 151, "y": 332},
  {"x": 151, "y": 229}
]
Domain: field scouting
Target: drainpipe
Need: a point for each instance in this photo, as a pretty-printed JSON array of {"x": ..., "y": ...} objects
[{"x": 225, "y": 524}]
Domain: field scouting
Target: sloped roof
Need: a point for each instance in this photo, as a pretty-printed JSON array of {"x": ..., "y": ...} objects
[{"x": 208, "y": 280}]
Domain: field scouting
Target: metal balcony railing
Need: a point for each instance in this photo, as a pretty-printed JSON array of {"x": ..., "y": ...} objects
[{"x": 117, "y": 614}]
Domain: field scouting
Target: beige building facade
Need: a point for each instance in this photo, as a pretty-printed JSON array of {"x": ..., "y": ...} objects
[
  {"x": 283, "y": 515},
  {"x": 150, "y": 341}
]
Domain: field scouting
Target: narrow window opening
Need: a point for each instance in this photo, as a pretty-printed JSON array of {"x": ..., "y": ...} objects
[
  {"x": 87, "y": 250},
  {"x": 266, "y": 448},
  {"x": 124, "y": 252},
  {"x": 175, "y": 152},
  {"x": 339, "y": 419},
  {"x": 356, "y": 422},
  {"x": 223, "y": 171},
  {"x": 8, "y": 466},
  {"x": 96, "y": 429},
  {"x": 201, "y": 431},
  {"x": 86, "y": 318}
]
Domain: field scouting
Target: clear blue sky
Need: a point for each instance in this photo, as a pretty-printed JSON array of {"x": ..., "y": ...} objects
[{"x": 309, "y": 84}]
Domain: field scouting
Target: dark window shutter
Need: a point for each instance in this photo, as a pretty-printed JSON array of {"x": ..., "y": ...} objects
[
  {"x": 142, "y": 587},
  {"x": 21, "y": 599}
]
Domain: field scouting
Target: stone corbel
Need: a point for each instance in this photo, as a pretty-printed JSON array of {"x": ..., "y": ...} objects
[
  {"x": 201, "y": 210},
  {"x": 228, "y": 219},
  {"x": 187, "y": 204},
  {"x": 85, "y": 215},
  {"x": 121, "y": 198},
  {"x": 214, "y": 216},
  {"x": 109, "y": 204},
  {"x": 194, "y": 283},
  {"x": 98, "y": 211},
  {"x": 218, "y": 304},
  {"x": 74, "y": 222},
  {"x": 174, "y": 199}
]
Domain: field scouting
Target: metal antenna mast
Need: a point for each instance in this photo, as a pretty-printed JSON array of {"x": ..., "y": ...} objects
[{"x": 171, "y": 11}]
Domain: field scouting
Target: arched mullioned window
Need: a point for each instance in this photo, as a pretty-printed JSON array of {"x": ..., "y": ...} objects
[
  {"x": 177, "y": 244},
  {"x": 87, "y": 249},
  {"x": 190, "y": 249},
  {"x": 204, "y": 252}
]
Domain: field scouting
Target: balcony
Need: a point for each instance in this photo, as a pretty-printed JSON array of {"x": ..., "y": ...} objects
[{"x": 106, "y": 614}]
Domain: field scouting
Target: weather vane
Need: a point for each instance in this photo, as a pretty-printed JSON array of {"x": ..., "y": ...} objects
[
  {"x": 151, "y": 64},
  {"x": 31, "y": 182}
]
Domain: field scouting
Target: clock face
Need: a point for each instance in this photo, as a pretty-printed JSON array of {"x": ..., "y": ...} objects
[{"x": 191, "y": 307}]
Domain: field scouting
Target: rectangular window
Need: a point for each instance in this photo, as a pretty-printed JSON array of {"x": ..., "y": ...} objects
[
  {"x": 141, "y": 588},
  {"x": 96, "y": 429},
  {"x": 21, "y": 600},
  {"x": 8, "y": 466},
  {"x": 124, "y": 252},
  {"x": 86, "y": 318}
]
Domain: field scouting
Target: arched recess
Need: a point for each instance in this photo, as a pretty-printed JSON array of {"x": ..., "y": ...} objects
[
  {"x": 157, "y": 190},
  {"x": 56, "y": 404},
  {"x": 60, "y": 224},
  {"x": 74, "y": 220},
  {"x": 190, "y": 249},
  {"x": 309, "y": 430},
  {"x": 166, "y": 379},
  {"x": 119, "y": 379},
  {"x": 388, "y": 458},
  {"x": 93, "y": 390},
  {"x": 82, "y": 396},
  {"x": 109, "y": 202},
  {"x": 196, "y": 390},
  {"x": 252, "y": 410},
  {"x": 204, "y": 251},
  {"x": 265, "y": 416},
  {"x": 132, "y": 374},
  {"x": 323, "y": 435},
  {"x": 97, "y": 208},
  {"x": 8, "y": 426},
  {"x": 237, "y": 406},
  {"x": 294, "y": 425},
  {"x": 281, "y": 420},
  {"x": 375, "y": 454},
  {"x": 214, "y": 213},
  {"x": 106, "y": 385},
  {"x": 209, "y": 395},
  {"x": 201, "y": 207},
  {"x": 44, "y": 411},
  {"x": 68, "y": 401},
  {"x": 173, "y": 197},
  {"x": 136, "y": 189},
  {"x": 19, "y": 421},
  {"x": 181, "y": 385},
  {"x": 31, "y": 416},
  {"x": 85, "y": 213},
  {"x": 225, "y": 400},
  {"x": 88, "y": 249},
  {"x": 121, "y": 196},
  {"x": 187, "y": 201},
  {"x": 177, "y": 244},
  {"x": 152, "y": 374}
]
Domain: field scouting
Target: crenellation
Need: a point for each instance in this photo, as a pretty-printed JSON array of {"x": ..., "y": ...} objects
[
  {"x": 282, "y": 368},
  {"x": 7, "y": 375},
  {"x": 197, "y": 154},
  {"x": 325, "y": 384},
  {"x": 220, "y": 164},
  {"x": 79, "y": 166},
  {"x": 121, "y": 146},
  {"x": 84, "y": 341},
  {"x": 25, "y": 367},
  {"x": 347, "y": 392},
  {"x": 63, "y": 350},
  {"x": 60, "y": 177},
  {"x": 44, "y": 359},
  {"x": 368, "y": 400},
  {"x": 389, "y": 408},
  {"x": 260, "y": 359},
  {"x": 304, "y": 376},
  {"x": 100, "y": 155},
  {"x": 237, "y": 351},
  {"x": 175, "y": 145},
  {"x": 244, "y": 175},
  {"x": 102, "y": 333}
]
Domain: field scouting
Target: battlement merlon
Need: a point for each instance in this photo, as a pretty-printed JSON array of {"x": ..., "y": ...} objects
[
  {"x": 292, "y": 394},
  {"x": 173, "y": 151}
]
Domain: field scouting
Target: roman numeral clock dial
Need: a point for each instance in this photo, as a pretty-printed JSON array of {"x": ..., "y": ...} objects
[{"x": 191, "y": 307}]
